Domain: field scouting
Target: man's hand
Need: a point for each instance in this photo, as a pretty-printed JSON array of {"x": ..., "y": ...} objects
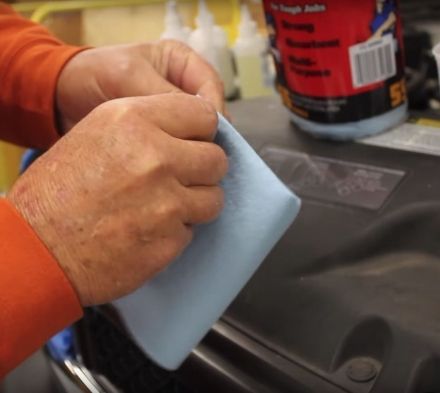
[
  {"x": 115, "y": 199},
  {"x": 98, "y": 75}
]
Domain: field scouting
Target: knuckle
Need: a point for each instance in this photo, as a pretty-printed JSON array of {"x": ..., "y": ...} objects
[
  {"x": 152, "y": 155},
  {"x": 125, "y": 65},
  {"x": 105, "y": 108},
  {"x": 168, "y": 210},
  {"x": 181, "y": 240},
  {"x": 169, "y": 252},
  {"x": 159, "y": 171},
  {"x": 157, "y": 163},
  {"x": 141, "y": 155},
  {"x": 173, "y": 246},
  {"x": 118, "y": 110}
]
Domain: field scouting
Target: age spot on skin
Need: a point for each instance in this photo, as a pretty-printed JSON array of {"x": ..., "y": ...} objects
[{"x": 87, "y": 263}]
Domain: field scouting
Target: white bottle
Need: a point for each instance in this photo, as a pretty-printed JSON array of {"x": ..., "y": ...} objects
[
  {"x": 174, "y": 27},
  {"x": 226, "y": 61},
  {"x": 251, "y": 56},
  {"x": 211, "y": 42}
]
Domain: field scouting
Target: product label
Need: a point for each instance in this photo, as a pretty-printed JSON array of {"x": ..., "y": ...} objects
[
  {"x": 337, "y": 61},
  {"x": 373, "y": 61}
]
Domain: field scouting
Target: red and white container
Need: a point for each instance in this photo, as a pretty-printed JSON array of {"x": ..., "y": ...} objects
[{"x": 340, "y": 64}]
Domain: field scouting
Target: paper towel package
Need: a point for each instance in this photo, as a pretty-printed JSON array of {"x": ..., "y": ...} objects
[{"x": 170, "y": 314}]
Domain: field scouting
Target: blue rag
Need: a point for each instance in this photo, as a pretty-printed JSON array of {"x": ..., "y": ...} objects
[{"x": 170, "y": 314}]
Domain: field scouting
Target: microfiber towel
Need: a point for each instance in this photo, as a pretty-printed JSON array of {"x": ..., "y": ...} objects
[{"x": 170, "y": 314}]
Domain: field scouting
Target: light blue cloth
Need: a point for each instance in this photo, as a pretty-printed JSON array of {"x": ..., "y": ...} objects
[{"x": 170, "y": 314}]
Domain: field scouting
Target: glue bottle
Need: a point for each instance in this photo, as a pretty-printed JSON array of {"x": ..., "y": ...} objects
[
  {"x": 174, "y": 27},
  {"x": 210, "y": 41},
  {"x": 250, "y": 50}
]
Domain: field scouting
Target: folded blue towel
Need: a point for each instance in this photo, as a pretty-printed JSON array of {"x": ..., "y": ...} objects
[{"x": 171, "y": 313}]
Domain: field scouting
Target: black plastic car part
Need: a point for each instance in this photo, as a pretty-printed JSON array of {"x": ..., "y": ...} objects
[{"x": 349, "y": 299}]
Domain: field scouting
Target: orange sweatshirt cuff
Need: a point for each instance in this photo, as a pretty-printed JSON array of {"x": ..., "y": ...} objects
[
  {"x": 31, "y": 60},
  {"x": 36, "y": 298},
  {"x": 51, "y": 58},
  {"x": 30, "y": 117}
]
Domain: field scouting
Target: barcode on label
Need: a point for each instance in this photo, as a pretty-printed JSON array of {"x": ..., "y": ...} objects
[{"x": 373, "y": 62}]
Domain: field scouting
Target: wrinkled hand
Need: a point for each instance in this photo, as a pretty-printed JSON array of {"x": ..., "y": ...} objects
[
  {"x": 115, "y": 199},
  {"x": 101, "y": 74}
]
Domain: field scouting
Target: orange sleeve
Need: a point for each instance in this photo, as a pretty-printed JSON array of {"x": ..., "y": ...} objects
[
  {"x": 36, "y": 298},
  {"x": 30, "y": 62}
]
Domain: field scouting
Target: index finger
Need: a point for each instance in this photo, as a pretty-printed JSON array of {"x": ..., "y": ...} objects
[
  {"x": 194, "y": 75},
  {"x": 180, "y": 115}
]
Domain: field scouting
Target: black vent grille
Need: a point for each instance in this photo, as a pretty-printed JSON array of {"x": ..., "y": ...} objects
[{"x": 108, "y": 351}]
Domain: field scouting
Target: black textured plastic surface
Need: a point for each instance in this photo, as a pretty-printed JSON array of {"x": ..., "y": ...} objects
[
  {"x": 349, "y": 283},
  {"x": 348, "y": 301}
]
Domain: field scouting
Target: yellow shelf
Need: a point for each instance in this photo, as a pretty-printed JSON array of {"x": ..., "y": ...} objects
[
  {"x": 227, "y": 12},
  {"x": 10, "y": 157}
]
